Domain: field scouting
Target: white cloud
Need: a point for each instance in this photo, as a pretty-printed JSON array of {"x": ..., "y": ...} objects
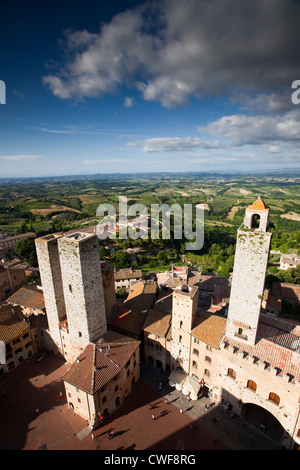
[
  {"x": 173, "y": 144},
  {"x": 172, "y": 50},
  {"x": 19, "y": 157},
  {"x": 241, "y": 129},
  {"x": 129, "y": 102}
]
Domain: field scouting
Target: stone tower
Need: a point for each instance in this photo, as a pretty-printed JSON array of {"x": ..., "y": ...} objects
[
  {"x": 83, "y": 288},
  {"x": 49, "y": 265},
  {"x": 184, "y": 307},
  {"x": 250, "y": 263}
]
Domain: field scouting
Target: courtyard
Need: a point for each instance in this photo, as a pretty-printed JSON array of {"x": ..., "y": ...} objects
[{"x": 145, "y": 422}]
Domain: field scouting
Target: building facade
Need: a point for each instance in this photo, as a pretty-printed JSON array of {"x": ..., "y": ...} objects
[{"x": 95, "y": 395}]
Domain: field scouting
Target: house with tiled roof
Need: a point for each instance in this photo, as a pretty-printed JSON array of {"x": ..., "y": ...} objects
[
  {"x": 129, "y": 318},
  {"x": 30, "y": 299},
  {"x": 157, "y": 340},
  {"x": 206, "y": 336},
  {"x": 125, "y": 277},
  {"x": 19, "y": 337},
  {"x": 102, "y": 377}
]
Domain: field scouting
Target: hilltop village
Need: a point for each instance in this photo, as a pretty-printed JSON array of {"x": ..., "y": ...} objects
[{"x": 210, "y": 334}]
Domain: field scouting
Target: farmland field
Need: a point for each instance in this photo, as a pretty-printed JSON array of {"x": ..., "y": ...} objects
[{"x": 46, "y": 205}]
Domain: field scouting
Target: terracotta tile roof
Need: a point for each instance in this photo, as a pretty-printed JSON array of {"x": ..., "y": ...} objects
[
  {"x": 258, "y": 205},
  {"x": 13, "y": 327},
  {"x": 158, "y": 323},
  {"x": 277, "y": 345},
  {"x": 128, "y": 274},
  {"x": 132, "y": 315},
  {"x": 98, "y": 364},
  {"x": 28, "y": 297},
  {"x": 209, "y": 328},
  {"x": 127, "y": 320}
]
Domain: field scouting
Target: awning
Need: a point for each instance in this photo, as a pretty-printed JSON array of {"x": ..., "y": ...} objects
[
  {"x": 176, "y": 379},
  {"x": 192, "y": 387}
]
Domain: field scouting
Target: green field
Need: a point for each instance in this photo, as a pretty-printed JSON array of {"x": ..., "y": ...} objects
[{"x": 47, "y": 205}]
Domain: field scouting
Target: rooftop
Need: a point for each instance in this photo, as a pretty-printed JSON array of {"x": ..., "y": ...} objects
[
  {"x": 128, "y": 274},
  {"x": 28, "y": 297},
  {"x": 13, "y": 326},
  {"x": 131, "y": 316},
  {"x": 158, "y": 323},
  {"x": 258, "y": 205},
  {"x": 209, "y": 328},
  {"x": 98, "y": 364},
  {"x": 277, "y": 345}
]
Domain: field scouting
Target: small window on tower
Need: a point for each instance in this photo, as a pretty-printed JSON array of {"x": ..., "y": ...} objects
[
  {"x": 79, "y": 334},
  {"x": 70, "y": 288}
]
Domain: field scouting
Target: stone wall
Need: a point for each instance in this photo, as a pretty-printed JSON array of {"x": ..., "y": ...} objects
[
  {"x": 51, "y": 279},
  {"x": 82, "y": 286},
  {"x": 248, "y": 280}
]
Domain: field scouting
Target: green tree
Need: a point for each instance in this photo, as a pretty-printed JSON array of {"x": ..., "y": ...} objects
[
  {"x": 121, "y": 260},
  {"x": 25, "y": 248}
]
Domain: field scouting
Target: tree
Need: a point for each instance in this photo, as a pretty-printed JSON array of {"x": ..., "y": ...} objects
[
  {"x": 25, "y": 248},
  {"x": 121, "y": 260}
]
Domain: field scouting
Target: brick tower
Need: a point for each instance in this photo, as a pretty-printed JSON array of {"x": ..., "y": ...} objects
[
  {"x": 184, "y": 307},
  {"x": 250, "y": 263}
]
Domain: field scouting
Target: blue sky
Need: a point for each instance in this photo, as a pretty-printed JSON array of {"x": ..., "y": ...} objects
[{"x": 135, "y": 86}]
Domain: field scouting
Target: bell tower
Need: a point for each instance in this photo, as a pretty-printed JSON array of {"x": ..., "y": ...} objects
[{"x": 250, "y": 263}]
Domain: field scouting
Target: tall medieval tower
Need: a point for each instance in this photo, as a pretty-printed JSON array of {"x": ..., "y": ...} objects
[
  {"x": 82, "y": 287},
  {"x": 73, "y": 291},
  {"x": 250, "y": 263},
  {"x": 184, "y": 307},
  {"x": 50, "y": 273}
]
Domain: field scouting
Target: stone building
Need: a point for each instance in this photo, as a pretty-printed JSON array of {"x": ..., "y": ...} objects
[
  {"x": 157, "y": 332},
  {"x": 82, "y": 288},
  {"x": 71, "y": 277},
  {"x": 110, "y": 301},
  {"x": 12, "y": 277},
  {"x": 21, "y": 339},
  {"x": 249, "y": 363},
  {"x": 7, "y": 242},
  {"x": 248, "y": 280},
  {"x": 51, "y": 279},
  {"x": 185, "y": 303},
  {"x": 30, "y": 299},
  {"x": 102, "y": 377},
  {"x": 125, "y": 277},
  {"x": 74, "y": 294}
]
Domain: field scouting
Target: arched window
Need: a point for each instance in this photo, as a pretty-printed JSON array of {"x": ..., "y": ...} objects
[
  {"x": 255, "y": 221},
  {"x": 231, "y": 373},
  {"x": 251, "y": 385},
  {"x": 273, "y": 397}
]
